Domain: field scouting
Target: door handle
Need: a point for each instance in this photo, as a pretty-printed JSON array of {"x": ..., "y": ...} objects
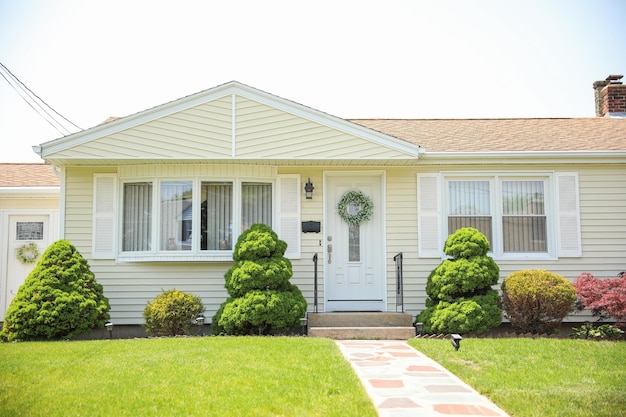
[{"x": 329, "y": 249}]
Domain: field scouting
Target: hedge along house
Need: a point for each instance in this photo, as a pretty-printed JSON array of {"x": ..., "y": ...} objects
[
  {"x": 155, "y": 200},
  {"x": 29, "y": 215}
]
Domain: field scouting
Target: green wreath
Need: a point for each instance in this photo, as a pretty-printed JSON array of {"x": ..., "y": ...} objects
[
  {"x": 360, "y": 200},
  {"x": 27, "y": 253}
]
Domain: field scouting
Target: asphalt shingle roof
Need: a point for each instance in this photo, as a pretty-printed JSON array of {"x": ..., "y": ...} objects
[
  {"x": 27, "y": 175},
  {"x": 501, "y": 135}
]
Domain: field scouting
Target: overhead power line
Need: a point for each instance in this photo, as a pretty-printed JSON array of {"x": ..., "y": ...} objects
[{"x": 35, "y": 102}]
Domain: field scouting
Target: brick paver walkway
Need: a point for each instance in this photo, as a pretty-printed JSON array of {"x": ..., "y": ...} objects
[{"x": 403, "y": 382}]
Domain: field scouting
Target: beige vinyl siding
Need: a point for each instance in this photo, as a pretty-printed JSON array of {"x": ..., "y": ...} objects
[
  {"x": 130, "y": 286},
  {"x": 202, "y": 131},
  {"x": 602, "y": 194},
  {"x": 29, "y": 203},
  {"x": 206, "y": 131},
  {"x": 265, "y": 132},
  {"x": 402, "y": 237},
  {"x": 311, "y": 243}
]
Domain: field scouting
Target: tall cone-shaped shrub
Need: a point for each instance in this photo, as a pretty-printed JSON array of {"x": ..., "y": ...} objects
[
  {"x": 59, "y": 299},
  {"x": 460, "y": 294},
  {"x": 262, "y": 300}
]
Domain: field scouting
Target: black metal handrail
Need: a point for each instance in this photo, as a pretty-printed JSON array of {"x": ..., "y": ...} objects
[
  {"x": 315, "y": 283},
  {"x": 399, "y": 281}
]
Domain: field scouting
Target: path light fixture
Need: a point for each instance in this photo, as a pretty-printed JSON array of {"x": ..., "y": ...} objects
[
  {"x": 419, "y": 327},
  {"x": 308, "y": 189},
  {"x": 303, "y": 323},
  {"x": 109, "y": 327},
  {"x": 456, "y": 340},
  {"x": 199, "y": 322}
]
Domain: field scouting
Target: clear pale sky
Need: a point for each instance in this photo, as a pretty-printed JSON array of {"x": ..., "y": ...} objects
[{"x": 353, "y": 59}]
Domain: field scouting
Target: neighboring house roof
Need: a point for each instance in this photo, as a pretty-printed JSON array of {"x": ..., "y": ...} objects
[
  {"x": 502, "y": 135},
  {"x": 27, "y": 175}
]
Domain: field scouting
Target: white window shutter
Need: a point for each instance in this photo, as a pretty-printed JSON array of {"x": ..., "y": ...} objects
[
  {"x": 428, "y": 212},
  {"x": 568, "y": 209},
  {"x": 288, "y": 213},
  {"x": 104, "y": 203}
]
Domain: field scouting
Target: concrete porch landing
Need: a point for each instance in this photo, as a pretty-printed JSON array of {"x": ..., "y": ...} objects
[{"x": 361, "y": 325}]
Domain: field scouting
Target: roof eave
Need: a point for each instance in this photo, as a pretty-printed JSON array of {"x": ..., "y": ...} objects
[{"x": 588, "y": 156}]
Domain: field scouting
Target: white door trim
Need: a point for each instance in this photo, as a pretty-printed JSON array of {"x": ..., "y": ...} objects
[{"x": 379, "y": 206}]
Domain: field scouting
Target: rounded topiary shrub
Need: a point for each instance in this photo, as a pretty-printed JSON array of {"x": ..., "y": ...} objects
[
  {"x": 172, "y": 313},
  {"x": 537, "y": 301},
  {"x": 59, "y": 299},
  {"x": 262, "y": 300},
  {"x": 460, "y": 294}
]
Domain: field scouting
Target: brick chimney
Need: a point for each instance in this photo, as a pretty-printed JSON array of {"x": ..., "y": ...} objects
[{"x": 610, "y": 95}]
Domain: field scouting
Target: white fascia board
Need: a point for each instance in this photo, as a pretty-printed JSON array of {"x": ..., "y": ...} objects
[
  {"x": 590, "y": 157},
  {"x": 29, "y": 192}
]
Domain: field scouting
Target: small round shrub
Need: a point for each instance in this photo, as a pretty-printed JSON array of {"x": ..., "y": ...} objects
[
  {"x": 59, "y": 299},
  {"x": 537, "y": 301},
  {"x": 172, "y": 313}
]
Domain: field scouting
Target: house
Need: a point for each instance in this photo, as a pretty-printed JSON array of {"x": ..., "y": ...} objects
[
  {"x": 29, "y": 213},
  {"x": 155, "y": 200}
]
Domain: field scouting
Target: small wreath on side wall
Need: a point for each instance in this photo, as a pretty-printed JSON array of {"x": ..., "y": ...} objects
[
  {"x": 27, "y": 253},
  {"x": 360, "y": 200}
]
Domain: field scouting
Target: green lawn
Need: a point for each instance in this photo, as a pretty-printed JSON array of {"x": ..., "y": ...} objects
[
  {"x": 208, "y": 376},
  {"x": 539, "y": 377}
]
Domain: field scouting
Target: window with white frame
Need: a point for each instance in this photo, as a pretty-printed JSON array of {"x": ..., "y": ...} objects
[
  {"x": 178, "y": 223},
  {"x": 189, "y": 218},
  {"x": 512, "y": 207},
  {"x": 527, "y": 215}
]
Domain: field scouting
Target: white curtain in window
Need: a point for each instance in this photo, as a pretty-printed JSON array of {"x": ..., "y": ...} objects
[
  {"x": 256, "y": 202},
  {"x": 469, "y": 205},
  {"x": 137, "y": 233},
  {"x": 523, "y": 216},
  {"x": 217, "y": 216},
  {"x": 176, "y": 208}
]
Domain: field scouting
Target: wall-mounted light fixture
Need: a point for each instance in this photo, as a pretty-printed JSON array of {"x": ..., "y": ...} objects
[{"x": 308, "y": 189}]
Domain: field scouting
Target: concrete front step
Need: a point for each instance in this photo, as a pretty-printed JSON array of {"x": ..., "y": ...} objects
[
  {"x": 361, "y": 325},
  {"x": 363, "y": 333},
  {"x": 359, "y": 319}
]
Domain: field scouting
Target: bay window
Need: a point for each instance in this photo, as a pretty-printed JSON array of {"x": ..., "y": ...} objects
[
  {"x": 216, "y": 214},
  {"x": 137, "y": 217},
  {"x": 185, "y": 215},
  {"x": 176, "y": 219}
]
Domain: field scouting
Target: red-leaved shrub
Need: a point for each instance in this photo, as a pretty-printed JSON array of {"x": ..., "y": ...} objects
[{"x": 602, "y": 297}]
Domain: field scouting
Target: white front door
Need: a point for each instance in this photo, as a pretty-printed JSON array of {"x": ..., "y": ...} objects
[
  {"x": 355, "y": 278},
  {"x": 23, "y": 229}
]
